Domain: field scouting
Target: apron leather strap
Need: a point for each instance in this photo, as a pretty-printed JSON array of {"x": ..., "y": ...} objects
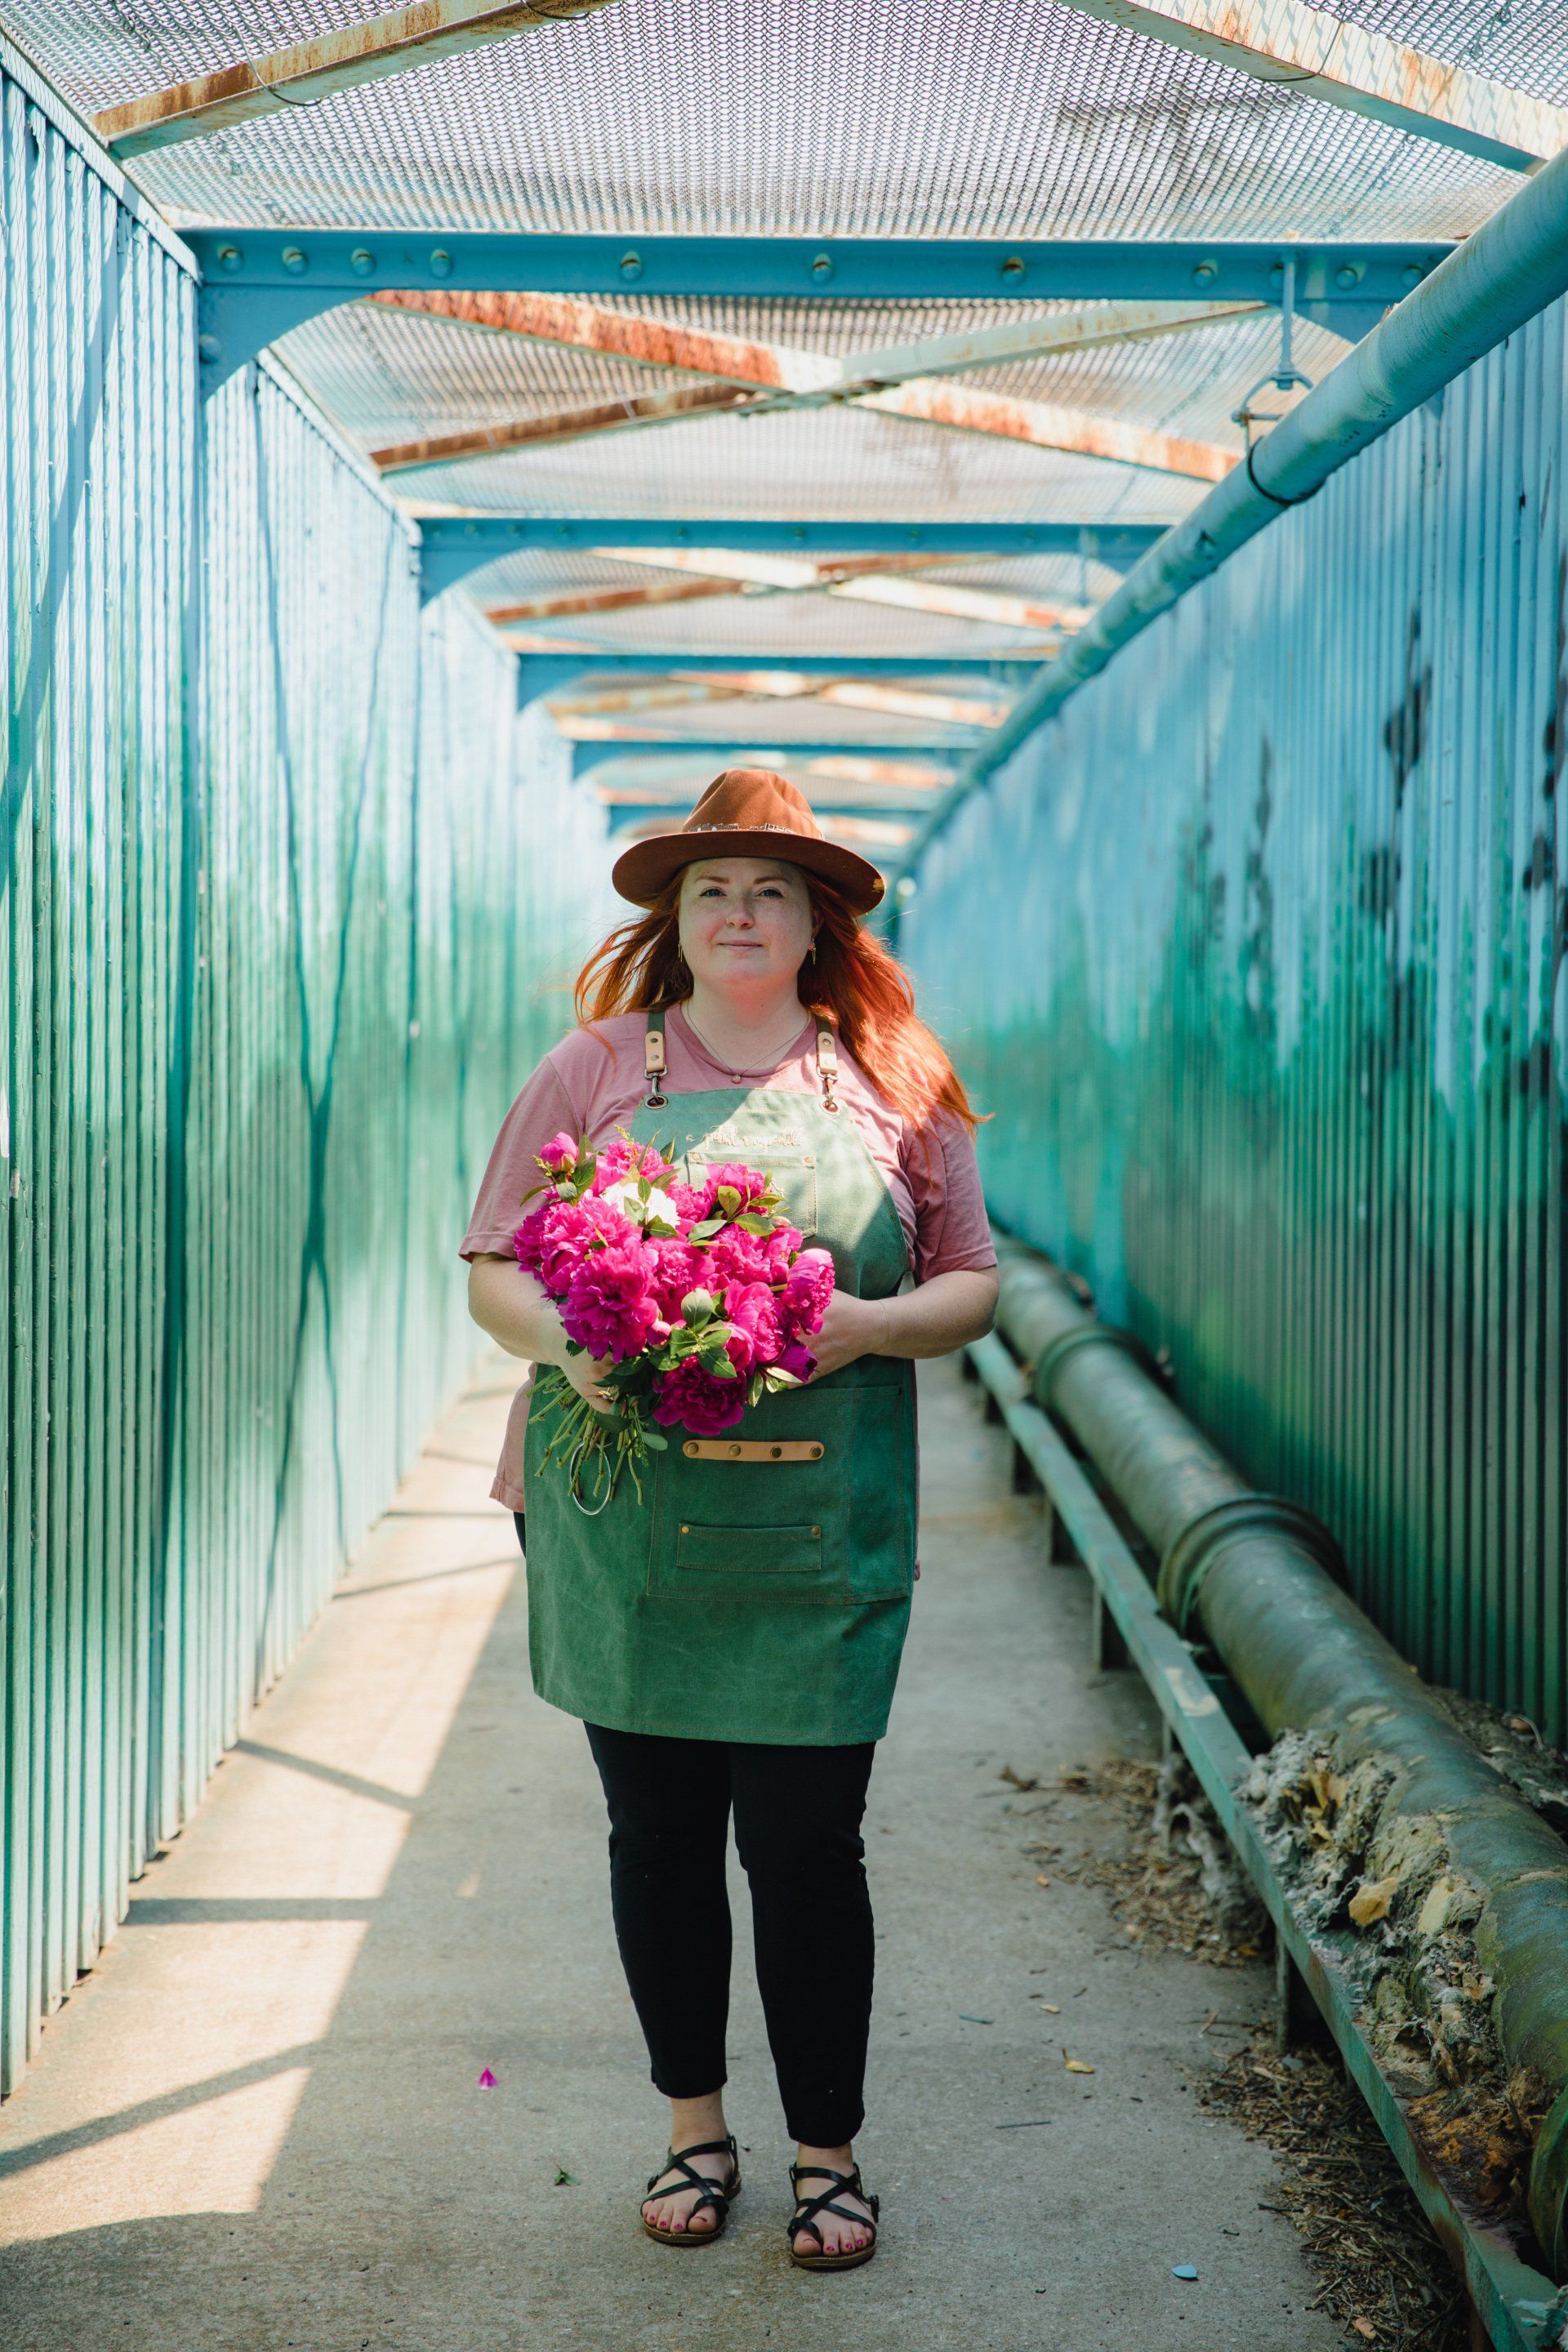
[
  {"x": 653, "y": 1062},
  {"x": 827, "y": 1064}
]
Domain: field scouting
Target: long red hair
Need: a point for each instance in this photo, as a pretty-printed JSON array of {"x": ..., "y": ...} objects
[{"x": 851, "y": 978}]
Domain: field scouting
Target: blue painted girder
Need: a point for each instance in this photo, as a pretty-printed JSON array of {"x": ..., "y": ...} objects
[
  {"x": 542, "y": 674},
  {"x": 455, "y": 545},
  {"x": 261, "y": 282},
  {"x": 744, "y": 751}
]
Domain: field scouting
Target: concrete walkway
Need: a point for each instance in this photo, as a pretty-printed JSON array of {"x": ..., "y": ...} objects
[{"x": 259, "y": 2124}]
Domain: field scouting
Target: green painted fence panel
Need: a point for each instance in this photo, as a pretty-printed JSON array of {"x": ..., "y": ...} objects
[
  {"x": 288, "y": 894},
  {"x": 1259, "y": 951}
]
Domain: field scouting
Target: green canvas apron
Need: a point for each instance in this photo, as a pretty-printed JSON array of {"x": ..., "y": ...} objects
[{"x": 760, "y": 1591}]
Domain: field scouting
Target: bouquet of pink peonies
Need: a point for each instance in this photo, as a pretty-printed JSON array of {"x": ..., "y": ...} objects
[{"x": 701, "y": 1296}]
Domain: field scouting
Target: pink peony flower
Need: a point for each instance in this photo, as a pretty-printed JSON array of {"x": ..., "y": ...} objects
[
  {"x": 558, "y": 1153},
  {"x": 797, "y": 1357},
  {"x": 693, "y": 1201},
  {"x": 677, "y": 1268},
  {"x": 753, "y": 1311},
  {"x": 782, "y": 1246},
  {"x": 554, "y": 1239},
  {"x": 622, "y": 1159},
  {"x": 807, "y": 1288},
  {"x": 735, "y": 1255},
  {"x": 750, "y": 1182},
  {"x": 699, "y": 1400},
  {"x": 609, "y": 1308}
]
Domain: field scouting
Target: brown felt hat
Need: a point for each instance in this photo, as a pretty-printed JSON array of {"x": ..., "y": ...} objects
[{"x": 747, "y": 813}]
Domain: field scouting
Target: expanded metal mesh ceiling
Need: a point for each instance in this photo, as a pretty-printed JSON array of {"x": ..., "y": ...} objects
[
  {"x": 850, "y": 118},
  {"x": 926, "y": 118},
  {"x": 1522, "y": 43}
]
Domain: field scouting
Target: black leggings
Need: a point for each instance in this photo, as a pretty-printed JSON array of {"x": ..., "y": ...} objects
[{"x": 797, "y": 1832}]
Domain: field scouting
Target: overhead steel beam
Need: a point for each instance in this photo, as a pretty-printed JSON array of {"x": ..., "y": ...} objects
[
  {"x": 743, "y": 685},
  {"x": 542, "y": 674},
  {"x": 741, "y": 753},
  {"x": 569, "y": 600},
  {"x": 261, "y": 282},
  {"x": 310, "y": 70},
  {"x": 862, "y": 580},
  {"x": 565, "y": 425},
  {"x": 1053, "y": 335},
  {"x": 456, "y": 545},
  {"x": 805, "y": 378},
  {"x": 1321, "y": 56},
  {"x": 1043, "y": 425},
  {"x": 1037, "y": 423}
]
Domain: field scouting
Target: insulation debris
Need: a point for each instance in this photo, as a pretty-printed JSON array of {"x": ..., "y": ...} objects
[{"x": 1384, "y": 1900}]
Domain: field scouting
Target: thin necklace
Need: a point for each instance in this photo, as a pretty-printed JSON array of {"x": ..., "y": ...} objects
[{"x": 724, "y": 1060}]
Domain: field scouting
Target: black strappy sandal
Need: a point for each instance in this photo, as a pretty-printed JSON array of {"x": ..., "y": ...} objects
[
  {"x": 717, "y": 2194},
  {"x": 807, "y": 2208}
]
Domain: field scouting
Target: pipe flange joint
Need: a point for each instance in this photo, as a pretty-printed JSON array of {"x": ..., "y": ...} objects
[
  {"x": 1201, "y": 1543},
  {"x": 1055, "y": 1354}
]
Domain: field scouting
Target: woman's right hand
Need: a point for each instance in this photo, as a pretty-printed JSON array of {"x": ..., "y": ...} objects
[{"x": 586, "y": 1374}]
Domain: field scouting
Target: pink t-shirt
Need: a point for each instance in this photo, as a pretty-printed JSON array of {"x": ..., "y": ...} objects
[{"x": 592, "y": 1083}]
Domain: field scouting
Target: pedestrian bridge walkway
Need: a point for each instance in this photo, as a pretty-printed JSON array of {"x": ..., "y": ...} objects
[{"x": 259, "y": 2123}]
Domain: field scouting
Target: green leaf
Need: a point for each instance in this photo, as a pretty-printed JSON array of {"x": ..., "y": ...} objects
[
  {"x": 778, "y": 1378},
  {"x": 655, "y": 1441},
  {"x": 751, "y": 1223},
  {"x": 728, "y": 1200},
  {"x": 706, "y": 1230},
  {"x": 697, "y": 1307}
]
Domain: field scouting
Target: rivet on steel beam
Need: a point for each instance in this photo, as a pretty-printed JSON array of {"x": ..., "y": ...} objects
[
  {"x": 1349, "y": 273},
  {"x": 230, "y": 257},
  {"x": 361, "y": 261},
  {"x": 822, "y": 267},
  {"x": 295, "y": 259},
  {"x": 1012, "y": 266},
  {"x": 440, "y": 263},
  {"x": 1205, "y": 272},
  {"x": 209, "y": 347},
  {"x": 631, "y": 266}
]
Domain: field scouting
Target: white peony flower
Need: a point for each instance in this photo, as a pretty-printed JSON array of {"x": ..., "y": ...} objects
[{"x": 656, "y": 1214}]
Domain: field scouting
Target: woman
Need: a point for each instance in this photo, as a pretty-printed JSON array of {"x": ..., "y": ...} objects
[{"x": 730, "y": 1637}]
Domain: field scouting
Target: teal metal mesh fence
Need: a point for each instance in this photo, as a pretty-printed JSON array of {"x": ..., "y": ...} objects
[
  {"x": 283, "y": 884},
  {"x": 1260, "y": 949}
]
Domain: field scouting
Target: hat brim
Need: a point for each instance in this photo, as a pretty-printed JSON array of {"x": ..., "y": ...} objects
[{"x": 641, "y": 872}]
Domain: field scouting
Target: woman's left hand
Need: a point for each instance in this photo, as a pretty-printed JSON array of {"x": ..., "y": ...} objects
[{"x": 851, "y": 1327}]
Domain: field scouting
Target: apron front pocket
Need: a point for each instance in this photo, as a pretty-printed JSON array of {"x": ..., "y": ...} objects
[
  {"x": 749, "y": 1551},
  {"x": 750, "y": 1526}
]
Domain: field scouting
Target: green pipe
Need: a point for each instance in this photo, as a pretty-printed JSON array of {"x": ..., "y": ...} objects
[{"x": 1260, "y": 1578}]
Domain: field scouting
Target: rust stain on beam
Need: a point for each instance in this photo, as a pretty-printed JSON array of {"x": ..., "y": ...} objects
[
  {"x": 612, "y": 600},
  {"x": 568, "y": 424},
  {"x": 310, "y": 70},
  {"x": 1040, "y": 424},
  {"x": 578, "y": 326}
]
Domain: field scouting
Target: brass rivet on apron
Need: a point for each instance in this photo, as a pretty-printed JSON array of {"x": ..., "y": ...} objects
[
  {"x": 689, "y": 1447},
  {"x": 817, "y": 1452},
  {"x": 817, "y": 1531},
  {"x": 686, "y": 1527},
  {"x": 777, "y": 1451},
  {"x": 734, "y": 1453}
]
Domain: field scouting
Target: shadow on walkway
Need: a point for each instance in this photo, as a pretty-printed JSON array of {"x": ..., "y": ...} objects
[{"x": 259, "y": 2124}]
